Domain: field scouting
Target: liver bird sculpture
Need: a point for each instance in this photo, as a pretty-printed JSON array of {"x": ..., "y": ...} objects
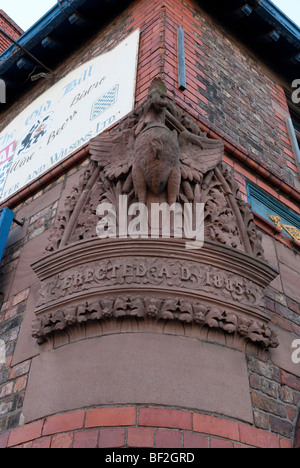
[{"x": 153, "y": 157}]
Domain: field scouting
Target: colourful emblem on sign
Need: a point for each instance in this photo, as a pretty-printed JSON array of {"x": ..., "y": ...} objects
[
  {"x": 104, "y": 102},
  {"x": 35, "y": 134}
]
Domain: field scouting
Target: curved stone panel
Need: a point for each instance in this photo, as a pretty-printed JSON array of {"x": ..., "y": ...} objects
[{"x": 143, "y": 368}]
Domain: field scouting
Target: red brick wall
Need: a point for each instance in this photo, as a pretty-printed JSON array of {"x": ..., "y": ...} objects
[
  {"x": 227, "y": 88},
  {"x": 119, "y": 427},
  {"x": 8, "y": 25},
  {"x": 297, "y": 436},
  {"x": 229, "y": 93}
]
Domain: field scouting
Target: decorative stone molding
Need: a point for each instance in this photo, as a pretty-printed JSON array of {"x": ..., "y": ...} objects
[
  {"x": 102, "y": 280},
  {"x": 162, "y": 273},
  {"x": 156, "y": 309},
  {"x": 157, "y": 154}
]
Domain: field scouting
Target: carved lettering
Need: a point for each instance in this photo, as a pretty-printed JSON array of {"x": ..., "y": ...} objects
[
  {"x": 185, "y": 274},
  {"x": 218, "y": 281},
  {"x": 152, "y": 272}
]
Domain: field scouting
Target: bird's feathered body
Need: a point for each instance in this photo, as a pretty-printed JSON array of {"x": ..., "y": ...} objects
[{"x": 154, "y": 157}]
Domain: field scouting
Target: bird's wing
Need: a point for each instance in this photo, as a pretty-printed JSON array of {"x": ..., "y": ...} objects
[
  {"x": 198, "y": 155},
  {"x": 114, "y": 153}
]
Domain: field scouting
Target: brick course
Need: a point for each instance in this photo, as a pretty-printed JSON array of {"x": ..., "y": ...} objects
[
  {"x": 209, "y": 432},
  {"x": 11, "y": 28},
  {"x": 108, "y": 417}
]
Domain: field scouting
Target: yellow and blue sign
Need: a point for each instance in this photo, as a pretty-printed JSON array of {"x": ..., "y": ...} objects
[{"x": 272, "y": 210}]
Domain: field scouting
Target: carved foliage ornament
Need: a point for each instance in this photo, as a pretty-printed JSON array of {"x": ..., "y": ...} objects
[
  {"x": 171, "y": 308},
  {"x": 158, "y": 154}
]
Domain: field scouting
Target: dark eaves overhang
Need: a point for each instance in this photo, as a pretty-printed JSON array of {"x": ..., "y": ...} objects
[
  {"x": 258, "y": 23},
  {"x": 52, "y": 39}
]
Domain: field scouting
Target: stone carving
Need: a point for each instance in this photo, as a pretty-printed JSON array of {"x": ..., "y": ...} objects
[
  {"x": 171, "y": 308},
  {"x": 63, "y": 218},
  {"x": 158, "y": 153},
  {"x": 181, "y": 275},
  {"x": 155, "y": 157}
]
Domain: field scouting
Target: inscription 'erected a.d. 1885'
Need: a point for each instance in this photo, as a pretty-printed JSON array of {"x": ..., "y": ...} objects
[{"x": 158, "y": 272}]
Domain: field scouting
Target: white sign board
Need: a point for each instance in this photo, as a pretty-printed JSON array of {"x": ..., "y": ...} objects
[{"x": 77, "y": 108}]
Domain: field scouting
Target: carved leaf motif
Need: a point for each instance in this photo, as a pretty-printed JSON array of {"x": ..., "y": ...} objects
[
  {"x": 213, "y": 318},
  {"x": 259, "y": 334},
  {"x": 168, "y": 309},
  {"x": 137, "y": 307},
  {"x": 155, "y": 309},
  {"x": 231, "y": 323},
  {"x": 186, "y": 311},
  {"x": 219, "y": 218},
  {"x": 95, "y": 311},
  {"x": 120, "y": 307}
]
